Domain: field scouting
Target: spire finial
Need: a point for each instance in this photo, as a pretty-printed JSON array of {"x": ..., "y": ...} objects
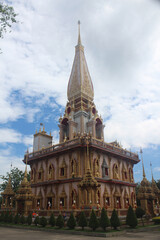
[
  {"x": 141, "y": 152},
  {"x": 25, "y": 174},
  {"x": 151, "y": 170},
  {"x": 79, "y": 36}
]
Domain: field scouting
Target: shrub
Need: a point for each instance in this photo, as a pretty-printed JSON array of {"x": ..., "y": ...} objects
[
  {"x": 140, "y": 213},
  {"x": 131, "y": 218},
  {"x": 114, "y": 220},
  {"x": 156, "y": 220},
  {"x": 29, "y": 219},
  {"x": 36, "y": 221},
  {"x": 43, "y": 221},
  {"x": 52, "y": 220},
  {"x": 71, "y": 223},
  {"x": 6, "y": 217},
  {"x": 22, "y": 220},
  {"x": 10, "y": 218},
  {"x": 104, "y": 220},
  {"x": 60, "y": 221},
  {"x": 82, "y": 222},
  {"x": 16, "y": 219},
  {"x": 2, "y": 217},
  {"x": 93, "y": 221}
]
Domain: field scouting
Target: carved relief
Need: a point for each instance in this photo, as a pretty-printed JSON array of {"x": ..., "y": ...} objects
[{"x": 115, "y": 171}]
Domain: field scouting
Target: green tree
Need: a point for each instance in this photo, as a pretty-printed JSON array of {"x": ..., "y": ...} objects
[
  {"x": 60, "y": 221},
  {"x": 52, "y": 220},
  {"x": 6, "y": 217},
  {"x": 104, "y": 220},
  {"x": 140, "y": 213},
  {"x": 114, "y": 219},
  {"x": 29, "y": 219},
  {"x": 22, "y": 219},
  {"x": 36, "y": 221},
  {"x": 10, "y": 219},
  {"x": 16, "y": 177},
  {"x": 7, "y": 18},
  {"x": 71, "y": 223},
  {"x": 131, "y": 218},
  {"x": 16, "y": 219},
  {"x": 93, "y": 221},
  {"x": 2, "y": 217},
  {"x": 43, "y": 221},
  {"x": 82, "y": 222}
]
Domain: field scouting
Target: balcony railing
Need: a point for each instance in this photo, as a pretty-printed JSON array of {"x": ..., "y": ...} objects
[{"x": 83, "y": 141}]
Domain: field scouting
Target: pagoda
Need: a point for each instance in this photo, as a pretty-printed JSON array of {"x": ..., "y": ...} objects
[{"x": 82, "y": 171}]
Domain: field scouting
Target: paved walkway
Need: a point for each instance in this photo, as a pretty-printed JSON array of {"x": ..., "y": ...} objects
[{"x": 21, "y": 234}]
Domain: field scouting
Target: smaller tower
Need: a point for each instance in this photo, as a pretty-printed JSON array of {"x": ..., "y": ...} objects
[
  {"x": 8, "y": 196},
  {"x": 41, "y": 140},
  {"x": 24, "y": 196},
  {"x": 145, "y": 193}
]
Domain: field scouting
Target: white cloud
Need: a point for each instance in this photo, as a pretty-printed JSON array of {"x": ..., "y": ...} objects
[
  {"x": 28, "y": 140},
  {"x": 157, "y": 169},
  {"x": 8, "y": 135}
]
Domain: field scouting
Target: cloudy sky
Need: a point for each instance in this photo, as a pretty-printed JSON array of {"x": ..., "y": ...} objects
[{"x": 122, "y": 48}]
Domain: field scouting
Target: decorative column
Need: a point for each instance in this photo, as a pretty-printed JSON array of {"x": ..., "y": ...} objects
[{"x": 61, "y": 126}]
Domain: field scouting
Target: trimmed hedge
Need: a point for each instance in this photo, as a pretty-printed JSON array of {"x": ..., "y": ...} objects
[
  {"x": 104, "y": 220},
  {"x": 115, "y": 222},
  {"x": 93, "y": 221},
  {"x": 82, "y": 221},
  {"x": 71, "y": 223},
  {"x": 131, "y": 218}
]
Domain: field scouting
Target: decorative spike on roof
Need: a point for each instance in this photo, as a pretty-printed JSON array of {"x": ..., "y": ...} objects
[
  {"x": 80, "y": 83},
  {"x": 8, "y": 190},
  {"x": 144, "y": 175}
]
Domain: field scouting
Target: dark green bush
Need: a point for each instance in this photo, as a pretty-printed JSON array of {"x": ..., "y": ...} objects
[
  {"x": 16, "y": 219},
  {"x": 29, "y": 219},
  {"x": 140, "y": 213},
  {"x": 6, "y": 217},
  {"x": 114, "y": 220},
  {"x": 2, "y": 217},
  {"x": 10, "y": 218},
  {"x": 22, "y": 220},
  {"x": 71, "y": 223},
  {"x": 82, "y": 221},
  {"x": 93, "y": 221},
  {"x": 43, "y": 221},
  {"x": 36, "y": 221},
  {"x": 60, "y": 221},
  {"x": 131, "y": 218},
  {"x": 52, "y": 220},
  {"x": 104, "y": 220}
]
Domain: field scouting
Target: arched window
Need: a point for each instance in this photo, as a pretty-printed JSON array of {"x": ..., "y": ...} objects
[
  {"x": 33, "y": 175},
  {"x": 130, "y": 175},
  {"x": 51, "y": 172},
  {"x": 98, "y": 128},
  {"x": 115, "y": 171},
  {"x": 65, "y": 129}
]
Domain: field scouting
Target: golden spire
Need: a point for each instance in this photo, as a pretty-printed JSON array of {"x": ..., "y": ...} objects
[
  {"x": 141, "y": 152},
  {"x": 79, "y": 36},
  {"x": 25, "y": 173},
  {"x": 80, "y": 82},
  {"x": 151, "y": 171}
]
